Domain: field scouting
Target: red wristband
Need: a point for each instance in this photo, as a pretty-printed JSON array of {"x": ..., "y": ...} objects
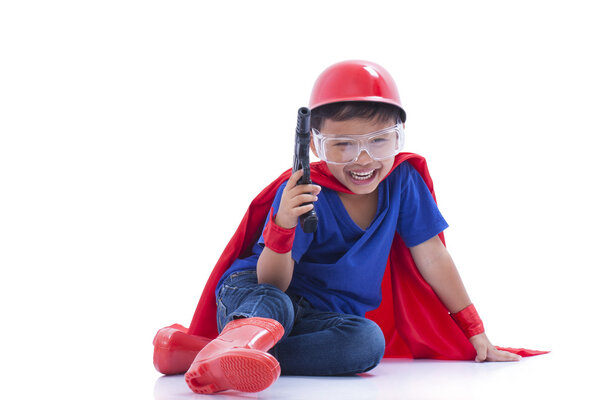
[
  {"x": 278, "y": 239},
  {"x": 468, "y": 320}
]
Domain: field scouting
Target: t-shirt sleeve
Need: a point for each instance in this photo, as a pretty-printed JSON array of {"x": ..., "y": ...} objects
[
  {"x": 302, "y": 240},
  {"x": 419, "y": 219}
]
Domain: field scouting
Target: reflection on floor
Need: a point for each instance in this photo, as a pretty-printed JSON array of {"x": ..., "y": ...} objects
[{"x": 534, "y": 377}]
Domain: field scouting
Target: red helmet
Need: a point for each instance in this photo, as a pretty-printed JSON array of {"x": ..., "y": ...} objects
[{"x": 355, "y": 80}]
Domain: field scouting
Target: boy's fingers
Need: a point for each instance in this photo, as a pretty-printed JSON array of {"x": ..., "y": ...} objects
[
  {"x": 500, "y": 355},
  {"x": 303, "y": 209},
  {"x": 481, "y": 354},
  {"x": 303, "y": 198},
  {"x": 507, "y": 356},
  {"x": 291, "y": 183},
  {"x": 302, "y": 189}
]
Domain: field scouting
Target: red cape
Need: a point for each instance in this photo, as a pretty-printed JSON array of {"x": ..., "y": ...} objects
[{"x": 414, "y": 321}]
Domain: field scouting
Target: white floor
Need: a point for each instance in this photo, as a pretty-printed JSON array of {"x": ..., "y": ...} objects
[{"x": 547, "y": 375}]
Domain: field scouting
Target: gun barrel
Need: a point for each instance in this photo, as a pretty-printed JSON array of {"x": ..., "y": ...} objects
[
  {"x": 308, "y": 220},
  {"x": 302, "y": 150},
  {"x": 303, "y": 125}
]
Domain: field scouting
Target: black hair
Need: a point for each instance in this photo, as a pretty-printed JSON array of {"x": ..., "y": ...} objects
[{"x": 345, "y": 110}]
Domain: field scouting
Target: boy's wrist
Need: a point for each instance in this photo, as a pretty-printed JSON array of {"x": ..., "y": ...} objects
[
  {"x": 280, "y": 222},
  {"x": 469, "y": 321},
  {"x": 277, "y": 238}
]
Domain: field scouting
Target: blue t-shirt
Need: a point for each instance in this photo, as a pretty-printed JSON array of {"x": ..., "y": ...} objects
[{"x": 340, "y": 267}]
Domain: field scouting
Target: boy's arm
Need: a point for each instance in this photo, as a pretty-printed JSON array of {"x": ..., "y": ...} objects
[
  {"x": 275, "y": 264},
  {"x": 275, "y": 268},
  {"x": 438, "y": 269}
]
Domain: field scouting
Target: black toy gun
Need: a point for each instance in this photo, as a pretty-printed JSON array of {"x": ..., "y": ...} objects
[{"x": 308, "y": 220}]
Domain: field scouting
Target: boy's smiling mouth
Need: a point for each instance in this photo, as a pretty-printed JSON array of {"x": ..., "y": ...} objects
[{"x": 362, "y": 176}]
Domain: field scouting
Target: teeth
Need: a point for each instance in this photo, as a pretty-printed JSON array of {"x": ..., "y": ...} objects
[{"x": 362, "y": 175}]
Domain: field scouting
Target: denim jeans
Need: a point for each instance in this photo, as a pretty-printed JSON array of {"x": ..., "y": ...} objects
[{"x": 315, "y": 342}]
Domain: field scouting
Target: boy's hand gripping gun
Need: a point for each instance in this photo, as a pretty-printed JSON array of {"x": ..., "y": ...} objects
[{"x": 308, "y": 220}]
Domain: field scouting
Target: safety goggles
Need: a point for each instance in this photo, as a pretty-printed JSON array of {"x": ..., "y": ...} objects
[{"x": 339, "y": 149}]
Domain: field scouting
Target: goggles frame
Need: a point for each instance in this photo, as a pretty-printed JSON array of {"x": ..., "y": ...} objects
[{"x": 320, "y": 139}]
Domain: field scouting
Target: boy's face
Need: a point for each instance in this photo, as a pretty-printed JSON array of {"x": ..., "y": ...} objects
[{"x": 363, "y": 175}]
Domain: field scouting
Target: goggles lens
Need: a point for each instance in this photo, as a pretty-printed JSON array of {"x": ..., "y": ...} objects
[{"x": 338, "y": 149}]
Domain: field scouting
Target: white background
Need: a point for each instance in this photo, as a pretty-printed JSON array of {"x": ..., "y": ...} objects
[{"x": 135, "y": 133}]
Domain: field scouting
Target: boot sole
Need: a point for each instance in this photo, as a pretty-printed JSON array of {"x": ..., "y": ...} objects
[{"x": 244, "y": 370}]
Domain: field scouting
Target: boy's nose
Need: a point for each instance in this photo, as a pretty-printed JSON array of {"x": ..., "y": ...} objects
[{"x": 363, "y": 157}]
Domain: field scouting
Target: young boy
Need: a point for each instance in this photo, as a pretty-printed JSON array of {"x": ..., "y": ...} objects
[{"x": 295, "y": 302}]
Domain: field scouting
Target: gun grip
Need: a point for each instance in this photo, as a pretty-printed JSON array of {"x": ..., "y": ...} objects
[{"x": 309, "y": 221}]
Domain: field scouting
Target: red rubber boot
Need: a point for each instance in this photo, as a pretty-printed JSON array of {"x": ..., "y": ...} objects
[
  {"x": 237, "y": 359},
  {"x": 175, "y": 349}
]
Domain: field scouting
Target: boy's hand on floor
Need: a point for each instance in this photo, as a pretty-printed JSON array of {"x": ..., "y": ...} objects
[{"x": 488, "y": 352}]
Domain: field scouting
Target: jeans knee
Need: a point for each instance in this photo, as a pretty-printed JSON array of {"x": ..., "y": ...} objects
[
  {"x": 280, "y": 304},
  {"x": 377, "y": 342},
  {"x": 372, "y": 345},
  {"x": 251, "y": 299}
]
